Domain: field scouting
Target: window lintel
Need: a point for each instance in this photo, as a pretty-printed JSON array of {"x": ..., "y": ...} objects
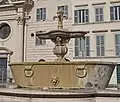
[
  {"x": 83, "y": 5},
  {"x": 114, "y": 2},
  {"x": 99, "y": 31},
  {"x": 102, "y": 3},
  {"x": 115, "y": 30}
]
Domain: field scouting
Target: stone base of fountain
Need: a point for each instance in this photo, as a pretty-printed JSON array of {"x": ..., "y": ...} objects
[
  {"x": 62, "y": 74},
  {"x": 73, "y": 95}
]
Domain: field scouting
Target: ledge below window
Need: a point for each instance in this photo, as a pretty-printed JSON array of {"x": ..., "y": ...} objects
[
  {"x": 96, "y": 57},
  {"x": 96, "y": 22}
]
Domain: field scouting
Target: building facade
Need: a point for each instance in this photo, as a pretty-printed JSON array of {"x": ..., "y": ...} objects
[{"x": 11, "y": 36}]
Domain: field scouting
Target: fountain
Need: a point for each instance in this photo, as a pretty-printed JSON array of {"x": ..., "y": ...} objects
[{"x": 62, "y": 73}]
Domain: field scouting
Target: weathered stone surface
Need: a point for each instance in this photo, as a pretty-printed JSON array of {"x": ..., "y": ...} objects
[
  {"x": 80, "y": 74},
  {"x": 59, "y": 95}
]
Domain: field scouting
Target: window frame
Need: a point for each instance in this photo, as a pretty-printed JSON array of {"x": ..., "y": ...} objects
[
  {"x": 65, "y": 12},
  {"x": 118, "y": 33},
  {"x": 118, "y": 73},
  {"x": 4, "y": 69},
  {"x": 99, "y": 7},
  {"x": 100, "y": 45},
  {"x": 81, "y": 13},
  {"x": 114, "y": 13},
  {"x": 40, "y": 14},
  {"x": 82, "y": 48},
  {"x": 41, "y": 41},
  {"x": 6, "y": 54}
]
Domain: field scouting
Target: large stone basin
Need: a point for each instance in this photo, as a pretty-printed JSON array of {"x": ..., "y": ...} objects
[{"x": 62, "y": 74}]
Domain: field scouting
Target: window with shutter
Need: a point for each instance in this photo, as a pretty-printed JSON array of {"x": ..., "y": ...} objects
[
  {"x": 81, "y": 16},
  {"x": 3, "y": 70},
  {"x": 115, "y": 13},
  {"x": 82, "y": 47},
  {"x": 100, "y": 45},
  {"x": 41, "y": 14},
  {"x": 117, "y": 44},
  {"x": 65, "y": 9},
  {"x": 99, "y": 14},
  {"x": 40, "y": 41},
  {"x": 118, "y": 73}
]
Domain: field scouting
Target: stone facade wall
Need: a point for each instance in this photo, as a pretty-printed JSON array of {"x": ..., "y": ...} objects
[
  {"x": 13, "y": 43},
  {"x": 10, "y": 17}
]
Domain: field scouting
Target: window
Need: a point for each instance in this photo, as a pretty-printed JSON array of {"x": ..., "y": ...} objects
[
  {"x": 81, "y": 16},
  {"x": 40, "y": 41},
  {"x": 118, "y": 73},
  {"x": 99, "y": 14},
  {"x": 115, "y": 13},
  {"x": 82, "y": 47},
  {"x": 117, "y": 44},
  {"x": 3, "y": 2},
  {"x": 100, "y": 45},
  {"x": 3, "y": 70},
  {"x": 65, "y": 9},
  {"x": 41, "y": 14},
  {"x": 5, "y": 30}
]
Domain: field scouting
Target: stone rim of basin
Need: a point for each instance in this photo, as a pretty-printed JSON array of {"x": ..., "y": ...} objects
[{"x": 67, "y": 62}]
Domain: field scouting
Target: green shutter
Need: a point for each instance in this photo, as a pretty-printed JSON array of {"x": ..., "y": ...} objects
[
  {"x": 75, "y": 16},
  {"x": 118, "y": 73}
]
